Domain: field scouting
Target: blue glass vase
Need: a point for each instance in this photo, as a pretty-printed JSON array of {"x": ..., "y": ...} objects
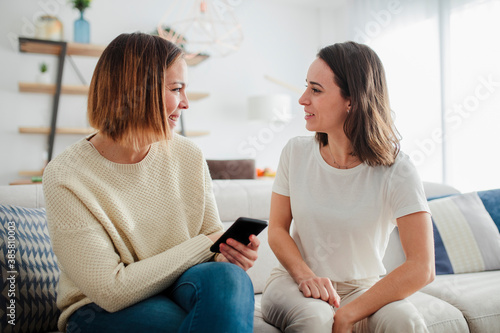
[{"x": 82, "y": 30}]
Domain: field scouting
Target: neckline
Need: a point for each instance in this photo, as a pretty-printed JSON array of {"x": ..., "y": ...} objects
[
  {"x": 90, "y": 149},
  {"x": 332, "y": 169}
]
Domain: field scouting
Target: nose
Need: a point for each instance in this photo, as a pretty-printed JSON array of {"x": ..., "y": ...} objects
[
  {"x": 184, "y": 102},
  {"x": 304, "y": 99}
]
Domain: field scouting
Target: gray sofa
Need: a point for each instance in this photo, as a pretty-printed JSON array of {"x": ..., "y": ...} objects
[{"x": 467, "y": 302}]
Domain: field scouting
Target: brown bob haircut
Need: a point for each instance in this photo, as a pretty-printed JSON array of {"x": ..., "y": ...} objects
[
  {"x": 369, "y": 125},
  {"x": 127, "y": 92}
]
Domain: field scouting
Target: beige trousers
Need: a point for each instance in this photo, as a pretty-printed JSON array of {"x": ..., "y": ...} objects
[{"x": 284, "y": 306}]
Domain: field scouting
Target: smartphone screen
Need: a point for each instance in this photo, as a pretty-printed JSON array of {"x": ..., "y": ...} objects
[{"x": 240, "y": 230}]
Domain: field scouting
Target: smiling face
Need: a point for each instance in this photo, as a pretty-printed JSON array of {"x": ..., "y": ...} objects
[
  {"x": 175, "y": 92},
  {"x": 324, "y": 106}
]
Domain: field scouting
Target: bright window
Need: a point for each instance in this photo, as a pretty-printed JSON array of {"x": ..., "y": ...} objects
[
  {"x": 460, "y": 99},
  {"x": 473, "y": 113}
]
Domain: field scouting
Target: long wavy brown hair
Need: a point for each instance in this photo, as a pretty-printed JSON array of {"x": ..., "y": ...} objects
[{"x": 369, "y": 125}]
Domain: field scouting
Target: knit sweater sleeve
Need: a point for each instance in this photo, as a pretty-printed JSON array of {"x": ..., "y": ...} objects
[
  {"x": 88, "y": 257},
  {"x": 211, "y": 218},
  {"x": 123, "y": 233}
]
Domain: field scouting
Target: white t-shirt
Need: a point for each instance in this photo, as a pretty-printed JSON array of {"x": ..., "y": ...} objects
[{"x": 342, "y": 218}]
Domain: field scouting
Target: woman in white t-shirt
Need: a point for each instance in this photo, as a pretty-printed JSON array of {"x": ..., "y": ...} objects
[{"x": 346, "y": 188}]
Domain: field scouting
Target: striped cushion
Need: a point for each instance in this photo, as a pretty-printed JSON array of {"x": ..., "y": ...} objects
[
  {"x": 465, "y": 236},
  {"x": 31, "y": 267}
]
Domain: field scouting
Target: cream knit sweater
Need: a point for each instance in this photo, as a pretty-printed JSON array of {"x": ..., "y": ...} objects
[{"x": 125, "y": 232}]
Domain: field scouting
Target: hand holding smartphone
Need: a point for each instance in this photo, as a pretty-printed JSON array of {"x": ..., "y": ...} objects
[{"x": 240, "y": 230}]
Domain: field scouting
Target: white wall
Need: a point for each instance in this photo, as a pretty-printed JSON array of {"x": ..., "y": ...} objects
[
  {"x": 280, "y": 45},
  {"x": 281, "y": 38}
]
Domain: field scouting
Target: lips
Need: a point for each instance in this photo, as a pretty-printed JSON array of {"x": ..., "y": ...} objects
[
  {"x": 172, "y": 120},
  {"x": 174, "y": 117},
  {"x": 308, "y": 115}
]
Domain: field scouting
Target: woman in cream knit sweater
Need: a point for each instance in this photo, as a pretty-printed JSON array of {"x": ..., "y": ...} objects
[{"x": 131, "y": 210}]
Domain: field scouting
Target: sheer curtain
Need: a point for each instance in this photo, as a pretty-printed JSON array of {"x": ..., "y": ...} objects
[
  {"x": 442, "y": 64},
  {"x": 473, "y": 112}
]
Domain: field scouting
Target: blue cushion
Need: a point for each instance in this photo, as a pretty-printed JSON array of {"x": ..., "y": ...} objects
[
  {"x": 443, "y": 263},
  {"x": 491, "y": 201},
  {"x": 466, "y": 238},
  {"x": 29, "y": 270}
]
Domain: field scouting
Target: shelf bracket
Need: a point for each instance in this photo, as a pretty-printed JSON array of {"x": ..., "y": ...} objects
[
  {"x": 57, "y": 95},
  {"x": 49, "y": 47}
]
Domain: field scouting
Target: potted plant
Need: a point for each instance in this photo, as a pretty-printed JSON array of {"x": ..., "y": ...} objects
[
  {"x": 81, "y": 5},
  {"x": 82, "y": 26},
  {"x": 43, "y": 75}
]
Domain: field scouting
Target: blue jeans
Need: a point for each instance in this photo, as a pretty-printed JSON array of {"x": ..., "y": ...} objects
[{"x": 209, "y": 297}]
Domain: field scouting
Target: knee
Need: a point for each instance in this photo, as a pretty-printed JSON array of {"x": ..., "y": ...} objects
[
  {"x": 226, "y": 280},
  {"x": 316, "y": 317},
  {"x": 231, "y": 291},
  {"x": 394, "y": 322},
  {"x": 312, "y": 316},
  {"x": 234, "y": 279}
]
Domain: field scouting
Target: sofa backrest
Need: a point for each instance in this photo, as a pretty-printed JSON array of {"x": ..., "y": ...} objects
[
  {"x": 235, "y": 198},
  {"x": 252, "y": 198},
  {"x": 29, "y": 196},
  {"x": 243, "y": 197}
]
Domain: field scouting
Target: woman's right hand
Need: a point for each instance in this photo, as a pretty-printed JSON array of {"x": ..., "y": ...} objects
[{"x": 320, "y": 288}]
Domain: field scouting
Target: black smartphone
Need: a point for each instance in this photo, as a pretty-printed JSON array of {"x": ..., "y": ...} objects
[{"x": 240, "y": 230}]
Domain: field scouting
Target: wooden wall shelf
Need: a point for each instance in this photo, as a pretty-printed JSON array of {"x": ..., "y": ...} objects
[
  {"x": 47, "y": 88},
  {"x": 24, "y": 182},
  {"x": 61, "y": 49},
  {"x": 59, "y": 130},
  {"x": 196, "y": 96},
  {"x": 84, "y": 131},
  {"x": 31, "y": 173},
  {"x": 31, "y": 45},
  {"x": 192, "y": 134}
]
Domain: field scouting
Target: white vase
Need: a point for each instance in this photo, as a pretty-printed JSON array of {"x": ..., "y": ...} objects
[
  {"x": 43, "y": 78},
  {"x": 49, "y": 27}
]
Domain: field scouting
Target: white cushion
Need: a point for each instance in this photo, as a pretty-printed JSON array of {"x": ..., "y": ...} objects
[
  {"x": 439, "y": 316},
  {"x": 476, "y": 295},
  {"x": 259, "y": 325}
]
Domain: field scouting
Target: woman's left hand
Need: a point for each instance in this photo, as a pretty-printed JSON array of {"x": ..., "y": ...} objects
[
  {"x": 341, "y": 324},
  {"x": 236, "y": 253}
]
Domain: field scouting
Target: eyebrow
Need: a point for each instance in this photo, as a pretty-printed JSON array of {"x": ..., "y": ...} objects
[
  {"x": 177, "y": 82},
  {"x": 315, "y": 83}
]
